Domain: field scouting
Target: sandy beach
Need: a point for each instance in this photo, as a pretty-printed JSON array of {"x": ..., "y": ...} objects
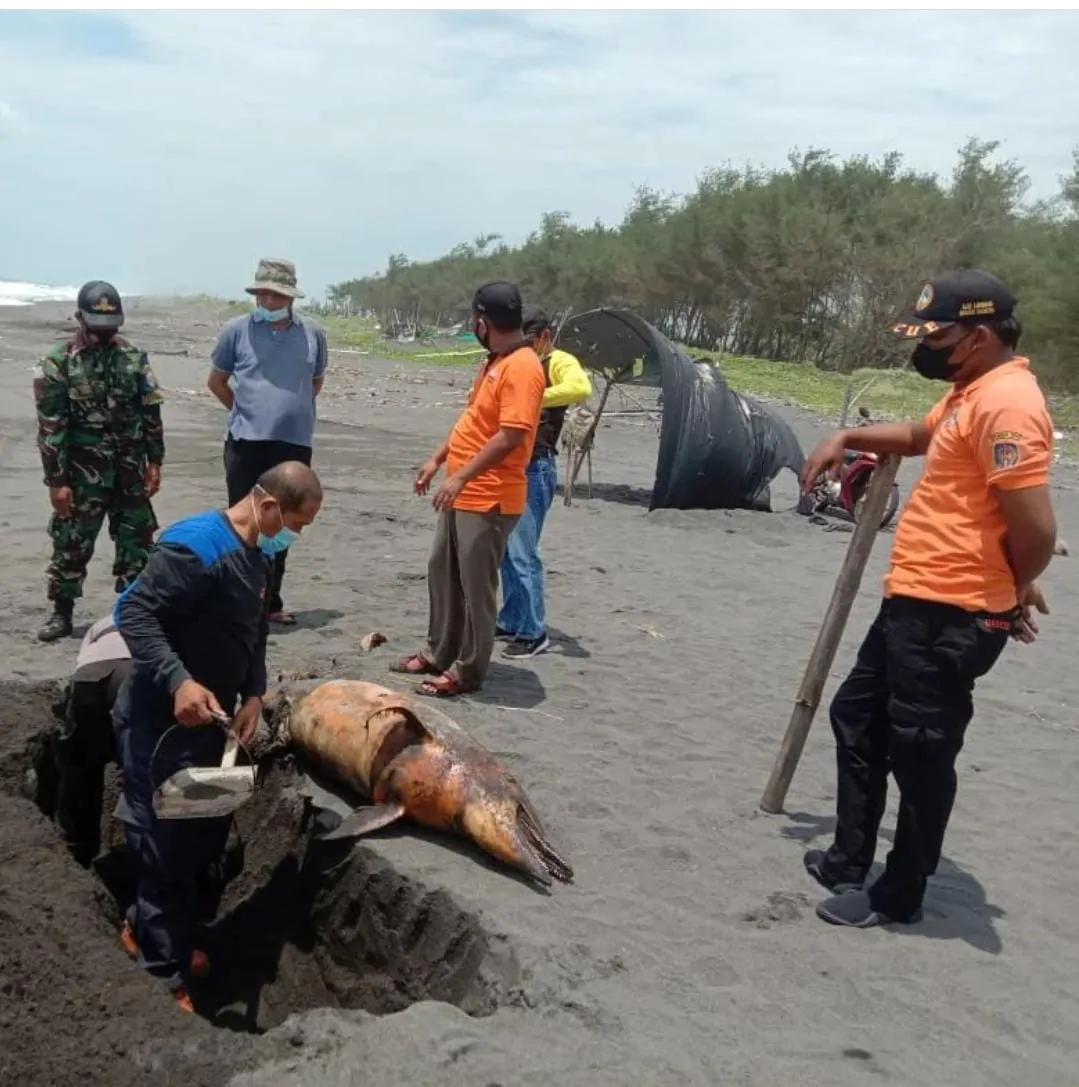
[{"x": 687, "y": 951}]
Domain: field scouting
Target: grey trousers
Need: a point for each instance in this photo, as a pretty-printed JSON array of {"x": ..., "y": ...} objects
[{"x": 462, "y": 588}]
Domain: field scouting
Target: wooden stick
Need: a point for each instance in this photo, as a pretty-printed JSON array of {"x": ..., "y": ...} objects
[
  {"x": 567, "y": 485},
  {"x": 846, "y": 404},
  {"x": 586, "y": 442},
  {"x": 831, "y": 631}
]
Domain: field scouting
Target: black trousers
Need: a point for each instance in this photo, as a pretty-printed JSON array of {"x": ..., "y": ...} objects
[
  {"x": 245, "y": 461},
  {"x": 181, "y": 881},
  {"x": 83, "y": 748},
  {"x": 905, "y": 707}
]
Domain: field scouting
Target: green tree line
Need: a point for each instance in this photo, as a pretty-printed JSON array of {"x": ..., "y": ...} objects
[{"x": 810, "y": 263}]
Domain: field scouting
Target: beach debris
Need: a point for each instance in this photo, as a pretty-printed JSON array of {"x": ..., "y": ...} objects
[
  {"x": 412, "y": 760},
  {"x": 372, "y": 640}
]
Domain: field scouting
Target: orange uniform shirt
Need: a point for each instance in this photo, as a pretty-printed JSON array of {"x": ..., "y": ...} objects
[
  {"x": 506, "y": 393},
  {"x": 949, "y": 544}
]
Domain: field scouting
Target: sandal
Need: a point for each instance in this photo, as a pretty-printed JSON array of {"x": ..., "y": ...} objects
[
  {"x": 415, "y": 665},
  {"x": 283, "y": 618},
  {"x": 446, "y": 685}
]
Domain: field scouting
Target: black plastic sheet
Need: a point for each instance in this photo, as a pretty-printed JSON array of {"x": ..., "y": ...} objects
[{"x": 718, "y": 449}]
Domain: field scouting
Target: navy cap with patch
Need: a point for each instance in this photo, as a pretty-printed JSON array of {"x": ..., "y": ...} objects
[
  {"x": 501, "y": 302},
  {"x": 966, "y": 295}
]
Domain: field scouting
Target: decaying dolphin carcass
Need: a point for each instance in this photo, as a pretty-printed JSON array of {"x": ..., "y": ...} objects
[{"x": 413, "y": 761}]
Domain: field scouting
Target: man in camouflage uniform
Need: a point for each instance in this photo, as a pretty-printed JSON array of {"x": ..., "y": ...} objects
[{"x": 102, "y": 445}]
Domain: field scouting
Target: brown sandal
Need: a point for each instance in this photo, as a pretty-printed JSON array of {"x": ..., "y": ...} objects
[
  {"x": 446, "y": 685},
  {"x": 415, "y": 665}
]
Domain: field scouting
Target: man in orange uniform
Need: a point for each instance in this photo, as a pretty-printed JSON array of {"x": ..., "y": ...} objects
[
  {"x": 976, "y": 532},
  {"x": 481, "y": 499}
]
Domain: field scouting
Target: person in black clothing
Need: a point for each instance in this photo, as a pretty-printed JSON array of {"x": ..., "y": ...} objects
[
  {"x": 195, "y": 622},
  {"x": 84, "y": 745}
]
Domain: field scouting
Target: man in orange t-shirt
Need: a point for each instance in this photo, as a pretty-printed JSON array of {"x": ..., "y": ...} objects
[
  {"x": 481, "y": 499},
  {"x": 977, "y": 530}
]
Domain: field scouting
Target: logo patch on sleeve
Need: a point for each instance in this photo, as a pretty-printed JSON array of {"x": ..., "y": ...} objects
[{"x": 1005, "y": 454}]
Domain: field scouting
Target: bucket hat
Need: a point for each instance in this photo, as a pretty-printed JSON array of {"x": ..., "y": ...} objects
[{"x": 274, "y": 274}]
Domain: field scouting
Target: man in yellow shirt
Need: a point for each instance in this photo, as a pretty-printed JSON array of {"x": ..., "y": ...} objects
[{"x": 523, "y": 618}]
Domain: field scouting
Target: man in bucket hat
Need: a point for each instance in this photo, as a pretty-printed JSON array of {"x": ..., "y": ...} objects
[
  {"x": 977, "y": 530},
  {"x": 268, "y": 369}
]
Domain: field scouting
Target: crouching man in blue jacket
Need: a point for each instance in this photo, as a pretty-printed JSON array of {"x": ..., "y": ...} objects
[{"x": 195, "y": 624}]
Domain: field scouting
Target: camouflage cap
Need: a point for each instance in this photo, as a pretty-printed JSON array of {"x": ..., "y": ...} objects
[{"x": 274, "y": 274}]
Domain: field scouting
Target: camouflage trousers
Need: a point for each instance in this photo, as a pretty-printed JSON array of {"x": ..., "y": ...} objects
[{"x": 132, "y": 525}]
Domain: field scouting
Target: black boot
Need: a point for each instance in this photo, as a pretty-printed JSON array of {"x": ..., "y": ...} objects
[{"x": 58, "y": 625}]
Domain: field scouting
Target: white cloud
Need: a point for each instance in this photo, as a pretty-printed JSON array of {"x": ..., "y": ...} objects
[
  {"x": 12, "y": 122},
  {"x": 169, "y": 150}
]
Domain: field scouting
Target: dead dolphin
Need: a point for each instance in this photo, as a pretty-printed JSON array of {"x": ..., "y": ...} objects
[{"x": 413, "y": 760}]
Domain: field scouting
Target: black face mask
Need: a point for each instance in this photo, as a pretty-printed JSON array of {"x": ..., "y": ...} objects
[
  {"x": 935, "y": 363},
  {"x": 104, "y": 336},
  {"x": 482, "y": 336},
  {"x": 932, "y": 362}
]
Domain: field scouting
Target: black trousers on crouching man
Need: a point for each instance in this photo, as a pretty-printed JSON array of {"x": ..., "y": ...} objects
[
  {"x": 245, "y": 461},
  {"x": 905, "y": 707},
  {"x": 82, "y": 750}
]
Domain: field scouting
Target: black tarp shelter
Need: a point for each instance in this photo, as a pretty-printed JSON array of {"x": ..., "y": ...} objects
[{"x": 718, "y": 449}]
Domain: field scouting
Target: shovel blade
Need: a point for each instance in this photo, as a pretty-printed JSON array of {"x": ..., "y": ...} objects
[{"x": 204, "y": 792}]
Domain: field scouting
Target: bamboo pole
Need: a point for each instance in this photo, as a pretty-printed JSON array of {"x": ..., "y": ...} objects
[{"x": 831, "y": 631}]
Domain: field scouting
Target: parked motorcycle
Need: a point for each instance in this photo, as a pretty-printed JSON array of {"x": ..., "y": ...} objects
[{"x": 846, "y": 495}]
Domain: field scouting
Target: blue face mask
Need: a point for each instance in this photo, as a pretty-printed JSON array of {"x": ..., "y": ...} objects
[
  {"x": 271, "y": 315},
  {"x": 279, "y": 541}
]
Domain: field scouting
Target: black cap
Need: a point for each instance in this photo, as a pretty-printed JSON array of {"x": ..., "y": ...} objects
[
  {"x": 500, "y": 302},
  {"x": 99, "y": 304},
  {"x": 534, "y": 320},
  {"x": 966, "y": 295}
]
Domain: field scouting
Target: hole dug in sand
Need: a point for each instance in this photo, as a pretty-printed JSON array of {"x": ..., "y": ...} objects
[
  {"x": 328, "y": 925},
  {"x": 302, "y": 924}
]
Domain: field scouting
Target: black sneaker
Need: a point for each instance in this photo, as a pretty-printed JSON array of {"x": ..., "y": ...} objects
[
  {"x": 853, "y": 909},
  {"x": 502, "y": 635},
  {"x": 58, "y": 625},
  {"x": 527, "y": 647},
  {"x": 814, "y": 861}
]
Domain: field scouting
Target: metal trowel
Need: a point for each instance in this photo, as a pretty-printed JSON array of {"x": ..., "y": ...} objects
[{"x": 202, "y": 792}]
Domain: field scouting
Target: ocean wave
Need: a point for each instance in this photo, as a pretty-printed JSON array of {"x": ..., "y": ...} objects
[{"x": 26, "y": 294}]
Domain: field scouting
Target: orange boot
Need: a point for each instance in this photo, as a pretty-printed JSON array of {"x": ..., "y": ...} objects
[{"x": 197, "y": 967}]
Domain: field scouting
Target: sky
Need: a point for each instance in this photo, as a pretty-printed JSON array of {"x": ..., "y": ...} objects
[{"x": 168, "y": 151}]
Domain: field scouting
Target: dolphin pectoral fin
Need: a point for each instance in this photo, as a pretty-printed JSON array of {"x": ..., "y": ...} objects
[{"x": 364, "y": 820}]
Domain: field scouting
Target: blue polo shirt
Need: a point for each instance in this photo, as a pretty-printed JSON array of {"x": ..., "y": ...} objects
[{"x": 273, "y": 373}]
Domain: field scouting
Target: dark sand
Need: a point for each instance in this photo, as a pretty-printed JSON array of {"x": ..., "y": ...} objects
[{"x": 687, "y": 951}]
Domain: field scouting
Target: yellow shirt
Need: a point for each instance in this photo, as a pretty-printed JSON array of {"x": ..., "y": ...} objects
[{"x": 569, "y": 382}]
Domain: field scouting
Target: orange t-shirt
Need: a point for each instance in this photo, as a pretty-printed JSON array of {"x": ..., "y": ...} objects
[
  {"x": 949, "y": 544},
  {"x": 506, "y": 393}
]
